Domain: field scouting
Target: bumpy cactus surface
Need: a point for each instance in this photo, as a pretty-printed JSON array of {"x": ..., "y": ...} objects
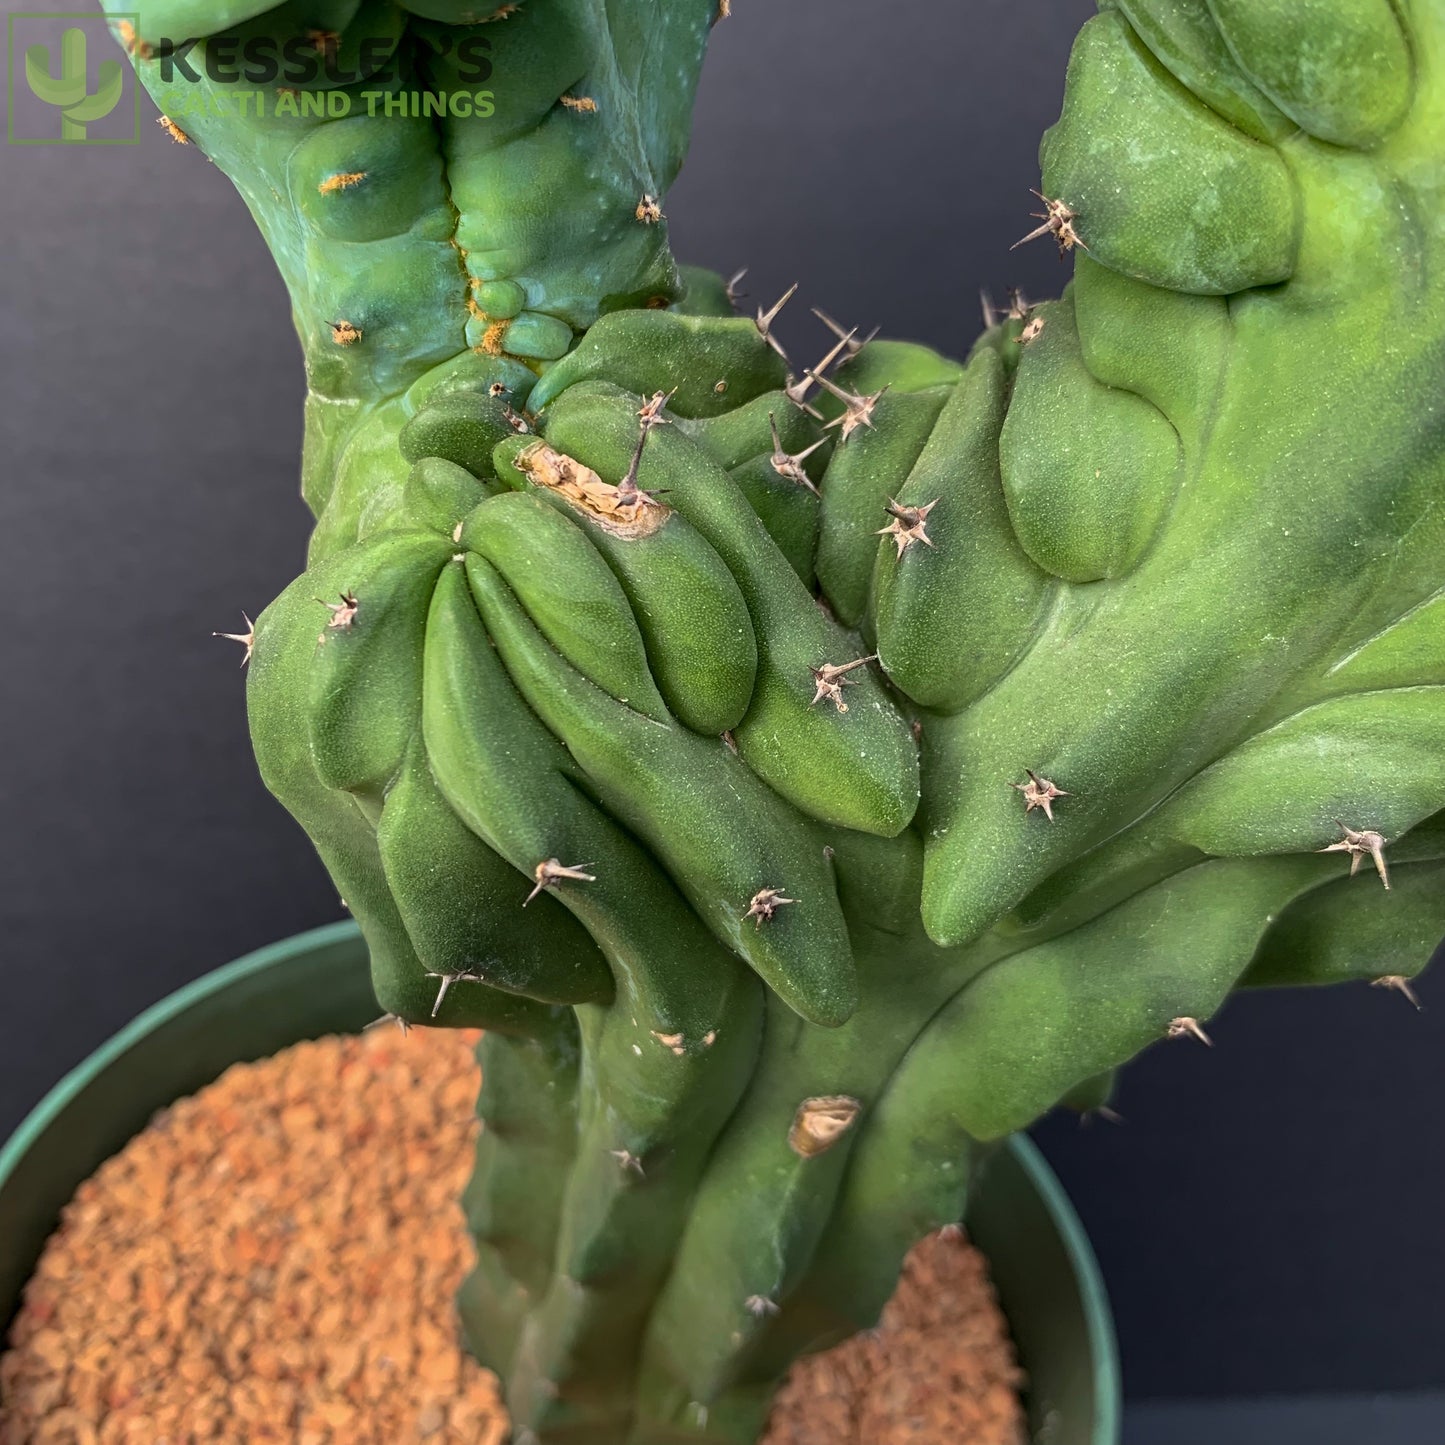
[{"x": 807, "y": 777}]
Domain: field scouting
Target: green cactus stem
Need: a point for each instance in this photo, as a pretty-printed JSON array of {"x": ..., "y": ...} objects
[{"x": 809, "y": 775}]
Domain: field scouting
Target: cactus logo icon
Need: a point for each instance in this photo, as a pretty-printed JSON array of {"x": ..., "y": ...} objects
[{"x": 63, "y": 86}]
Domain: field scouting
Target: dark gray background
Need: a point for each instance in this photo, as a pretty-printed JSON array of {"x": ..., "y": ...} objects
[{"x": 1268, "y": 1218}]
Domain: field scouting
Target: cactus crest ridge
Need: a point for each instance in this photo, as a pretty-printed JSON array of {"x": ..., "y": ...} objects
[{"x": 790, "y": 658}]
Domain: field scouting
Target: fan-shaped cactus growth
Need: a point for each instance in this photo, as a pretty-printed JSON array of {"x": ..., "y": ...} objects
[{"x": 807, "y": 777}]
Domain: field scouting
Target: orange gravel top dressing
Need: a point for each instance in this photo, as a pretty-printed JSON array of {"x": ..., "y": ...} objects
[{"x": 275, "y": 1259}]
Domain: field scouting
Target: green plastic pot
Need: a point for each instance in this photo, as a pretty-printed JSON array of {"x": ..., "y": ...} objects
[{"x": 318, "y": 983}]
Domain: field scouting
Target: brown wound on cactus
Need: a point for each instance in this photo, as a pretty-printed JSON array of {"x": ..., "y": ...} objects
[
  {"x": 820, "y": 1123},
  {"x": 623, "y": 512},
  {"x": 340, "y": 181}
]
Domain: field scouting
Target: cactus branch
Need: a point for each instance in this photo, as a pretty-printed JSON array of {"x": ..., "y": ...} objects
[{"x": 587, "y": 549}]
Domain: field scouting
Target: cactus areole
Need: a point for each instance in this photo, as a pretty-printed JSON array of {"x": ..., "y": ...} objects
[{"x": 808, "y": 775}]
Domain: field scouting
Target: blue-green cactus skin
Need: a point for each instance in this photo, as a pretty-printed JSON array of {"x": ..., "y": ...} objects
[{"x": 807, "y": 783}]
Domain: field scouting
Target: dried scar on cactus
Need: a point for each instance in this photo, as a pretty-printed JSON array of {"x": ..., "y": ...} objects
[
  {"x": 624, "y": 513},
  {"x": 820, "y": 1123}
]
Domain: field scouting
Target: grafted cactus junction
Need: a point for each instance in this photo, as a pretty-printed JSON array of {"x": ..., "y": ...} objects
[{"x": 807, "y": 776}]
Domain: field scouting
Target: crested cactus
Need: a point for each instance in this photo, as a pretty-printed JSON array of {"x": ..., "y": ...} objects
[{"x": 807, "y": 777}]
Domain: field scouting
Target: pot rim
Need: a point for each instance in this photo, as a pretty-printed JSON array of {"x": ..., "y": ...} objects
[
  {"x": 1024, "y": 1156},
  {"x": 163, "y": 1011}
]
